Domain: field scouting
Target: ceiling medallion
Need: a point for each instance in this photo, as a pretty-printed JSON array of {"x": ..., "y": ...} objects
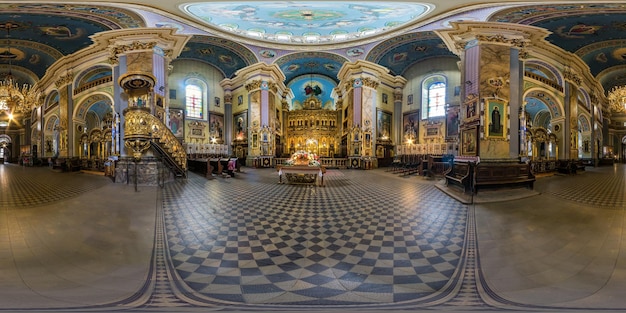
[{"x": 311, "y": 22}]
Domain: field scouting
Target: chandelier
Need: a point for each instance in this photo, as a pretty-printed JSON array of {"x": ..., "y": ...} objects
[
  {"x": 14, "y": 99},
  {"x": 617, "y": 99}
]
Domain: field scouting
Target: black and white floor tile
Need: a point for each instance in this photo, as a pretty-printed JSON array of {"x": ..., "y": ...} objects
[{"x": 367, "y": 240}]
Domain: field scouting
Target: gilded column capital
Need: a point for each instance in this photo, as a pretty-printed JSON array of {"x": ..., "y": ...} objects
[
  {"x": 253, "y": 85},
  {"x": 369, "y": 82}
]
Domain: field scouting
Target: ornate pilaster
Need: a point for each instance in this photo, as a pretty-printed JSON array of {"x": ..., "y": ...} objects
[
  {"x": 492, "y": 57},
  {"x": 368, "y": 88},
  {"x": 259, "y": 91},
  {"x": 64, "y": 87}
]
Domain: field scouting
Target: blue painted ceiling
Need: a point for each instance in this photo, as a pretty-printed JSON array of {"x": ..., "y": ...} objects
[{"x": 41, "y": 33}]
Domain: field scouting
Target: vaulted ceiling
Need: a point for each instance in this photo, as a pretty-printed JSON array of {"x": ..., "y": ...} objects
[{"x": 305, "y": 38}]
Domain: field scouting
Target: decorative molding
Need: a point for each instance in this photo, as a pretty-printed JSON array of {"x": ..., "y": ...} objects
[
  {"x": 115, "y": 51},
  {"x": 502, "y": 39},
  {"x": 64, "y": 80},
  {"x": 571, "y": 75},
  {"x": 253, "y": 85}
]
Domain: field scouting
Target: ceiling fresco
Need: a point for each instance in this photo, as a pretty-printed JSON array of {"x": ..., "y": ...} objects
[
  {"x": 301, "y": 92},
  {"x": 399, "y": 53},
  {"x": 228, "y": 56},
  {"x": 42, "y": 33},
  {"x": 594, "y": 32},
  {"x": 307, "y": 63},
  {"x": 38, "y": 35},
  {"x": 306, "y": 22}
]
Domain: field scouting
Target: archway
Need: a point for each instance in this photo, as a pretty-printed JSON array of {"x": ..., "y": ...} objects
[{"x": 5, "y": 148}]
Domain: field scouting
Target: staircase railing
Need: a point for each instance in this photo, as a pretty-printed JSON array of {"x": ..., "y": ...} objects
[{"x": 143, "y": 130}]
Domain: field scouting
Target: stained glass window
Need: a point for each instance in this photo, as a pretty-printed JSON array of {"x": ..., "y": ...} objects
[{"x": 193, "y": 101}]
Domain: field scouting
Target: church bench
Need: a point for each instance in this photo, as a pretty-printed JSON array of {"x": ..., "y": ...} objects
[
  {"x": 570, "y": 166},
  {"x": 435, "y": 166},
  {"x": 74, "y": 165},
  {"x": 58, "y": 164},
  {"x": 493, "y": 175},
  {"x": 409, "y": 169},
  {"x": 459, "y": 175}
]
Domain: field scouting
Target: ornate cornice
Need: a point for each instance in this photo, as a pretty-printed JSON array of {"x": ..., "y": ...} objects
[
  {"x": 464, "y": 35},
  {"x": 64, "y": 80},
  {"x": 115, "y": 51},
  {"x": 571, "y": 75},
  {"x": 499, "y": 38}
]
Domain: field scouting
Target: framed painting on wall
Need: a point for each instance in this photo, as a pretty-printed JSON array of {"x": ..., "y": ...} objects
[
  {"x": 176, "y": 122},
  {"x": 452, "y": 122},
  {"x": 469, "y": 141},
  {"x": 240, "y": 124},
  {"x": 216, "y": 127},
  {"x": 495, "y": 119},
  {"x": 470, "y": 109},
  {"x": 383, "y": 122},
  {"x": 410, "y": 126},
  {"x": 432, "y": 131}
]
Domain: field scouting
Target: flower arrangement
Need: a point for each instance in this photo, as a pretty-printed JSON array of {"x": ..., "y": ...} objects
[{"x": 302, "y": 157}]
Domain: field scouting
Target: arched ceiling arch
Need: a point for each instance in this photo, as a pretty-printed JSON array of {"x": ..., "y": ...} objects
[
  {"x": 308, "y": 63},
  {"x": 40, "y": 34},
  {"x": 226, "y": 55},
  {"x": 398, "y": 53},
  {"x": 47, "y": 31},
  {"x": 595, "y": 32},
  {"x": 92, "y": 74}
]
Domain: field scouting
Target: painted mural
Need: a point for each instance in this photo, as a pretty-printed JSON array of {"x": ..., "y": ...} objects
[{"x": 312, "y": 85}]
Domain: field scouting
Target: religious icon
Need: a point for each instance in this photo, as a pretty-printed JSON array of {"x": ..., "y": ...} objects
[{"x": 496, "y": 119}]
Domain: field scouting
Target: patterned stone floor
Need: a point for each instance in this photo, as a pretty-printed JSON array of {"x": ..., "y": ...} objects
[{"x": 367, "y": 240}]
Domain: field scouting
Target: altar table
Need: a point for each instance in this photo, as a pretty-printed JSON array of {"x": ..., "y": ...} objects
[{"x": 301, "y": 174}]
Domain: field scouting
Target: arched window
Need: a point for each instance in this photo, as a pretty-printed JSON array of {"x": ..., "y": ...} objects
[
  {"x": 194, "y": 100},
  {"x": 434, "y": 97}
]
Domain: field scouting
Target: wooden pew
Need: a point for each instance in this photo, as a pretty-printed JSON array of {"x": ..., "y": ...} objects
[
  {"x": 460, "y": 174},
  {"x": 436, "y": 166},
  {"x": 493, "y": 175}
]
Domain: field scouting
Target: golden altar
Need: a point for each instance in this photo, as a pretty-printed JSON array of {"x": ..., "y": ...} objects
[{"x": 301, "y": 174}]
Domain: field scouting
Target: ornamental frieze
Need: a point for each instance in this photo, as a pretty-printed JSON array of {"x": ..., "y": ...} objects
[
  {"x": 515, "y": 42},
  {"x": 134, "y": 46}
]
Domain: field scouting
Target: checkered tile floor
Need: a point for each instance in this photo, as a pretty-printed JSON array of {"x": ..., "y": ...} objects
[
  {"x": 366, "y": 240},
  {"x": 591, "y": 187},
  {"x": 255, "y": 241},
  {"x": 36, "y": 188}
]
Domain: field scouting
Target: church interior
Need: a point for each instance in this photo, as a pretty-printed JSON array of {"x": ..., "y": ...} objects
[{"x": 312, "y": 155}]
